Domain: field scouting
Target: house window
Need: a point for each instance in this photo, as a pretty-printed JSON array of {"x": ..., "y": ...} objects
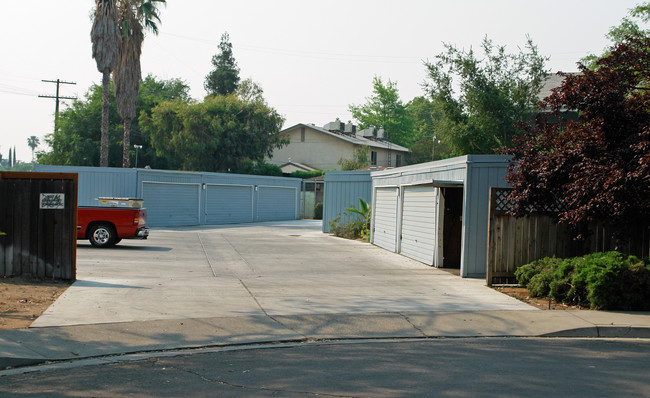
[
  {"x": 398, "y": 160},
  {"x": 373, "y": 158},
  {"x": 302, "y": 134}
]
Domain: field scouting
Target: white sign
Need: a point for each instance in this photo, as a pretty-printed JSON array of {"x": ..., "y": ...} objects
[{"x": 52, "y": 201}]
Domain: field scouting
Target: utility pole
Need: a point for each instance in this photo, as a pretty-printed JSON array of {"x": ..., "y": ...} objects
[{"x": 57, "y": 97}]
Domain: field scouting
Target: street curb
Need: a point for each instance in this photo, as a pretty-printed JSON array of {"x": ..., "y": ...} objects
[
  {"x": 603, "y": 331},
  {"x": 627, "y": 332}
]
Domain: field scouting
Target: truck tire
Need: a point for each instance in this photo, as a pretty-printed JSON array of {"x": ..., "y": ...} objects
[{"x": 102, "y": 235}]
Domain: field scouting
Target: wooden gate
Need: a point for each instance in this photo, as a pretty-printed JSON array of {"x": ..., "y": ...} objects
[{"x": 38, "y": 218}]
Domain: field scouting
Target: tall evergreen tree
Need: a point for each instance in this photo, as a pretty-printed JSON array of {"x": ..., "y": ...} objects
[{"x": 224, "y": 79}]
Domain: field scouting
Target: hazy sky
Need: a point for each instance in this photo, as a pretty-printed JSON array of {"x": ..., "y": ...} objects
[{"x": 312, "y": 59}]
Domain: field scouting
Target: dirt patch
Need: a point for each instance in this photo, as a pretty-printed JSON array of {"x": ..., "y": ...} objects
[
  {"x": 23, "y": 299},
  {"x": 521, "y": 293}
]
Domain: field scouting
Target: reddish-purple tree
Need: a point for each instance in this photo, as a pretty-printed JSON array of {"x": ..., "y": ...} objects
[{"x": 596, "y": 166}]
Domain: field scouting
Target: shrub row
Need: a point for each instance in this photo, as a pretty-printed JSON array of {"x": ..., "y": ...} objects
[{"x": 606, "y": 281}]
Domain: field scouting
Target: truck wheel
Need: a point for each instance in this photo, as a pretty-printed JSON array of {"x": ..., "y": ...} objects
[{"x": 102, "y": 235}]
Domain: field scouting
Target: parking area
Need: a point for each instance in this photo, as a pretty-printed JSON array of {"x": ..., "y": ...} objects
[{"x": 272, "y": 269}]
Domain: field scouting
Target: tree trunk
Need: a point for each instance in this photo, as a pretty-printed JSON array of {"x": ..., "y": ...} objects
[
  {"x": 106, "y": 91},
  {"x": 126, "y": 151}
]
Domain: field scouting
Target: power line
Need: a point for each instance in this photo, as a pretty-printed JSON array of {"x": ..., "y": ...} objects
[{"x": 57, "y": 97}]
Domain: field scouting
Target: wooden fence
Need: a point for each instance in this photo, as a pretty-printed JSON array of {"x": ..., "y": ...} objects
[
  {"x": 38, "y": 218},
  {"x": 513, "y": 242}
]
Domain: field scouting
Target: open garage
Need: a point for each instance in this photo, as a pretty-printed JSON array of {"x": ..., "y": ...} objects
[{"x": 437, "y": 212}]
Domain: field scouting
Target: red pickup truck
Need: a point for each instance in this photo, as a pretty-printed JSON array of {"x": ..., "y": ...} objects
[{"x": 105, "y": 226}]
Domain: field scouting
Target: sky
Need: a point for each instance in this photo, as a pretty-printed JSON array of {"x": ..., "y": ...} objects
[{"x": 313, "y": 59}]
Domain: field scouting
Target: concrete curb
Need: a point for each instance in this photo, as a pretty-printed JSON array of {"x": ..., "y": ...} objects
[
  {"x": 627, "y": 332},
  {"x": 32, "y": 346}
]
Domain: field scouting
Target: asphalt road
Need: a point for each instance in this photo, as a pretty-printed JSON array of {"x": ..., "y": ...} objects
[{"x": 474, "y": 367}]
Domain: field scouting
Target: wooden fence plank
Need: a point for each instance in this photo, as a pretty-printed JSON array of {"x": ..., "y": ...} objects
[
  {"x": 513, "y": 242},
  {"x": 38, "y": 242}
]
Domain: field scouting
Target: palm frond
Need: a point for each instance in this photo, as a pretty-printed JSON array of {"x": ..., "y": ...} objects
[{"x": 105, "y": 35}]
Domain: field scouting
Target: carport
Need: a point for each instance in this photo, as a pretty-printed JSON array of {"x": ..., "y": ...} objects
[{"x": 437, "y": 212}]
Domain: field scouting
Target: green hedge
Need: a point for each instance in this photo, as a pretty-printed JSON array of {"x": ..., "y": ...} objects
[{"x": 607, "y": 281}]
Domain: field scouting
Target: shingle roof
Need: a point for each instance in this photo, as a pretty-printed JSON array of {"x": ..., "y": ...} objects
[
  {"x": 552, "y": 81},
  {"x": 353, "y": 139}
]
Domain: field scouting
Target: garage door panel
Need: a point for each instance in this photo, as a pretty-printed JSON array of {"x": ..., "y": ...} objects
[
  {"x": 229, "y": 204},
  {"x": 276, "y": 203},
  {"x": 419, "y": 218},
  {"x": 170, "y": 204},
  {"x": 385, "y": 223}
]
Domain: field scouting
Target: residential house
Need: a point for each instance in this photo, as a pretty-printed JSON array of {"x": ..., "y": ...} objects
[{"x": 312, "y": 147}]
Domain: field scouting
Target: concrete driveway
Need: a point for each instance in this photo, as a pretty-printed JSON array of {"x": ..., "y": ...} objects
[{"x": 270, "y": 269}]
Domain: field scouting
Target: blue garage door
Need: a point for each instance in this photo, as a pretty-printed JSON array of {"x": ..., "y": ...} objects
[
  {"x": 276, "y": 203},
  {"x": 171, "y": 204},
  {"x": 229, "y": 204}
]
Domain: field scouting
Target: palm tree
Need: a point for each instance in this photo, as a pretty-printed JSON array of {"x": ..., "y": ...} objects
[
  {"x": 106, "y": 39},
  {"x": 135, "y": 16},
  {"x": 33, "y": 142}
]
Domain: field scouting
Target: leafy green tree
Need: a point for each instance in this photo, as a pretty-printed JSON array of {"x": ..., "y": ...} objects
[
  {"x": 106, "y": 38},
  {"x": 359, "y": 159},
  {"x": 77, "y": 140},
  {"x": 427, "y": 116},
  {"x": 495, "y": 93},
  {"x": 224, "y": 79},
  {"x": 220, "y": 134},
  {"x": 249, "y": 91},
  {"x": 135, "y": 16},
  {"x": 630, "y": 26},
  {"x": 385, "y": 109},
  {"x": 259, "y": 167}
]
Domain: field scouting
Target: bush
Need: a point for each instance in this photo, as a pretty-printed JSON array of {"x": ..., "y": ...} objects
[
  {"x": 607, "y": 281},
  {"x": 307, "y": 174},
  {"x": 352, "y": 230},
  {"x": 318, "y": 211},
  {"x": 526, "y": 273}
]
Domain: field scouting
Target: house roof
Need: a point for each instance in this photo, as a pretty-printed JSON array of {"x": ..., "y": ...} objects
[
  {"x": 552, "y": 81},
  {"x": 297, "y": 165},
  {"x": 353, "y": 139}
]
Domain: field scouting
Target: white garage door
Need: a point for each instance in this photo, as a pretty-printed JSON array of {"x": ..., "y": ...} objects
[
  {"x": 385, "y": 218},
  {"x": 170, "y": 204},
  {"x": 419, "y": 223},
  {"x": 229, "y": 204}
]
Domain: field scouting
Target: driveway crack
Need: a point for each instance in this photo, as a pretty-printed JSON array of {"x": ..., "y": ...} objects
[
  {"x": 406, "y": 318},
  {"x": 207, "y": 258}
]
